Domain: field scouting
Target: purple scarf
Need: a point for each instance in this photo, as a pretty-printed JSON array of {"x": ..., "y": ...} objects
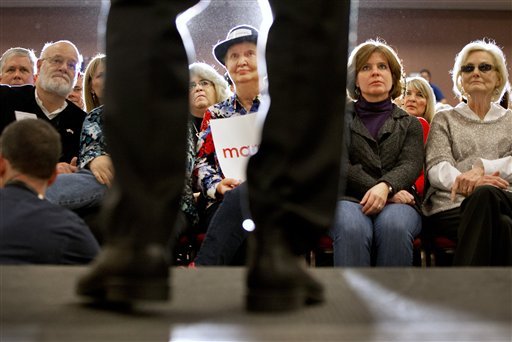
[{"x": 373, "y": 114}]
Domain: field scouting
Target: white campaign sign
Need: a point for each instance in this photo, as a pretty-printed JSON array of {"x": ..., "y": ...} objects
[{"x": 236, "y": 139}]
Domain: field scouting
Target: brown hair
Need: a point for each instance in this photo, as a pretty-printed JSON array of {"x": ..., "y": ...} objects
[
  {"x": 362, "y": 53},
  {"x": 32, "y": 147}
]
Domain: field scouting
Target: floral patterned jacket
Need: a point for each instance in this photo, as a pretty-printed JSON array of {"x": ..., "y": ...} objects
[
  {"x": 92, "y": 140},
  {"x": 93, "y": 144},
  {"x": 207, "y": 172}
]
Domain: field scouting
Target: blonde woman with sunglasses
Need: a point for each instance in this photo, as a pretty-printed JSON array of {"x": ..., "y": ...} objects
[{"x": 469, "y": 161}]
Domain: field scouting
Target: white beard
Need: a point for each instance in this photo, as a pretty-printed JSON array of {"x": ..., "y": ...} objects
[{"x": 55, "y": 85}]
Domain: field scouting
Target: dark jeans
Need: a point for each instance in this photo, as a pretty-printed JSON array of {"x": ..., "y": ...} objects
[{"x": 225, "y": 240}]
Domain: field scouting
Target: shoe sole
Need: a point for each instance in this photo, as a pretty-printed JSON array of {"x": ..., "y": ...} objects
[
  {"x": 264, "y": 300},
  {"x": 123, "y": 290}
]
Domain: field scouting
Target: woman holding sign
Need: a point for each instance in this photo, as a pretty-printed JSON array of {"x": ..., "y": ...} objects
[{"x": 238, "y": 55}]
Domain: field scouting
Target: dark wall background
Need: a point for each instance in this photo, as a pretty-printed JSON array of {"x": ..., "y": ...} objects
[
  {"x": 423, "y": 37},
  {"x": 431, "y": 38}
]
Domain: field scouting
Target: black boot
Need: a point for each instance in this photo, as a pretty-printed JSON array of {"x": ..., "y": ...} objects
[
  {"x": 277, "y": 279},
  {"x": 134, "y": 263},
  {"x": 126, "y": 274}
]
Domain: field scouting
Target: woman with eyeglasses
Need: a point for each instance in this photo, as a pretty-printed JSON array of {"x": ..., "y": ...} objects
[
  {"x": 378, "y": 217},
  {"x": 469, "y": 161},
  {"x": 206, "y": 88}
]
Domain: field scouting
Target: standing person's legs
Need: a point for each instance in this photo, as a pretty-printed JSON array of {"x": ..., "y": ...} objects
[
  {"x": 395, "y": 229},
  {"x": 145, "y": 119},
  {"x": 352, "y": 235},
  {"x": 293, "y": 180},
  {"x": 485, "y": 230}
]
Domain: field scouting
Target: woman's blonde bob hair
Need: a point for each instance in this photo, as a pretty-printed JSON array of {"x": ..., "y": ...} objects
[
  {"x": 91, "y": 100},
  {"x": 500, "y": 66},
  {"x": 207, "y": 72},
  {"x": 361, "y": 54},
  {"x": 421, "y": 85}
]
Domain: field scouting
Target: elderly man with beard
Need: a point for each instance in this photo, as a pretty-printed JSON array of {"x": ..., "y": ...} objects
[{"x": 58, "y": 67}]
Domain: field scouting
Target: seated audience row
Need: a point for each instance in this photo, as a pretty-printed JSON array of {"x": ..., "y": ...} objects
[
  {"x": 380, "y": 208},
  {"x": 385, "y": 158}
]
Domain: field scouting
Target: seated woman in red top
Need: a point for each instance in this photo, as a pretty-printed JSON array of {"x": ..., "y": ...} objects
[{"x": 419, "y": 101}]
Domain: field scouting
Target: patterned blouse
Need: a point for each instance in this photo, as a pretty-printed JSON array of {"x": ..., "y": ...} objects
[
  {"x": 92, "y": 140},
  {"x": 93, "y": 144},
  {"x": 207, "y": 170}
]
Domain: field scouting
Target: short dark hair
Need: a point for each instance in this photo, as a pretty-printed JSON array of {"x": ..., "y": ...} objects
[
  {"x": 426, "y": 71},
  {"x": 32, "y": 147}
]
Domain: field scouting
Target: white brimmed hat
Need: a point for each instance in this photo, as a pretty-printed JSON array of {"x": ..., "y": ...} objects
[{"x": 238, "y": 34}]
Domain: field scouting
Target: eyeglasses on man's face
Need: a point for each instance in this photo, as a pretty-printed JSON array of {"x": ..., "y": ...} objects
[
  {"x": 202, "y": 83},
  {"x": 483, "y": 67},
  {"x": 58, "y": 61}
]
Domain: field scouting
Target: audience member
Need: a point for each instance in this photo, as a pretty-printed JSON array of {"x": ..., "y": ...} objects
[
  {"x": 94, "y": 82},
  {"x": 33, "y": 230},
  {"x": 469, "y": 161},
  {"x": 378, "y": 217},
  {"x": 425, "y": 73},
  {"x": 207, "y": 87},
  {"x": 17, "y": 66},
  {"x": 57, "y": 66},
  {"x": 77, "y": 94},
  {"x": 238, "y": 55},
  {"x": 419, "y": 101},
  {"x": 84, "y": 190}
]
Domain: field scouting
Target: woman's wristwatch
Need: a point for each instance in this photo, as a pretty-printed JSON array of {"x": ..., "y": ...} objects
[{"x": 390, "y": 189}]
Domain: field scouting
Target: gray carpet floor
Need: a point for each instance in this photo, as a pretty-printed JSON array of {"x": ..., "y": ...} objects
[{"x": 37, "y": 303}]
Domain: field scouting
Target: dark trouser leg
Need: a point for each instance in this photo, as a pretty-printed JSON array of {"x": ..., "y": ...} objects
[
  {"x": 441, "y": 225},
  {"x": 485, "y": 231},
  {"x": 225, "y": 235},
  {"x": 293, "y": 180},
  {"x": 145, "y": 116}
]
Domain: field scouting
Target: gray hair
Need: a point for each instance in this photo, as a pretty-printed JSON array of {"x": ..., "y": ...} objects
[
  {"x": 499, "y": 63},
  {"x": 207, "y": 72},
  {"x": 22, "y": 52},
  {"x": 80, "y": 57}
]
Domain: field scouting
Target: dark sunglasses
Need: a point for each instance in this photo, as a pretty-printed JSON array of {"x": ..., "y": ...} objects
[{"x": 483, "y": 67}]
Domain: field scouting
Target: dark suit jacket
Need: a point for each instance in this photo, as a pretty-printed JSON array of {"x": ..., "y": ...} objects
[{"x": 68, "y": 123}]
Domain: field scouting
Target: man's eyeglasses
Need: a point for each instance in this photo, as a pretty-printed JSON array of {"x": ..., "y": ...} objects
[
  {"x": 58, "y": 61},
  {"x": 483, "y": 67},
  {"x": 202, "y": 83}
]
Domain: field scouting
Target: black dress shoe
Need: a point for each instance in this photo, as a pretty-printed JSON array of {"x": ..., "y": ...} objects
[{"x": 127, "y": 274}]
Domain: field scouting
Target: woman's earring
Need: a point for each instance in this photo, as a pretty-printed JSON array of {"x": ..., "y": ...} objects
[{"x": 357, "y": 91}]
